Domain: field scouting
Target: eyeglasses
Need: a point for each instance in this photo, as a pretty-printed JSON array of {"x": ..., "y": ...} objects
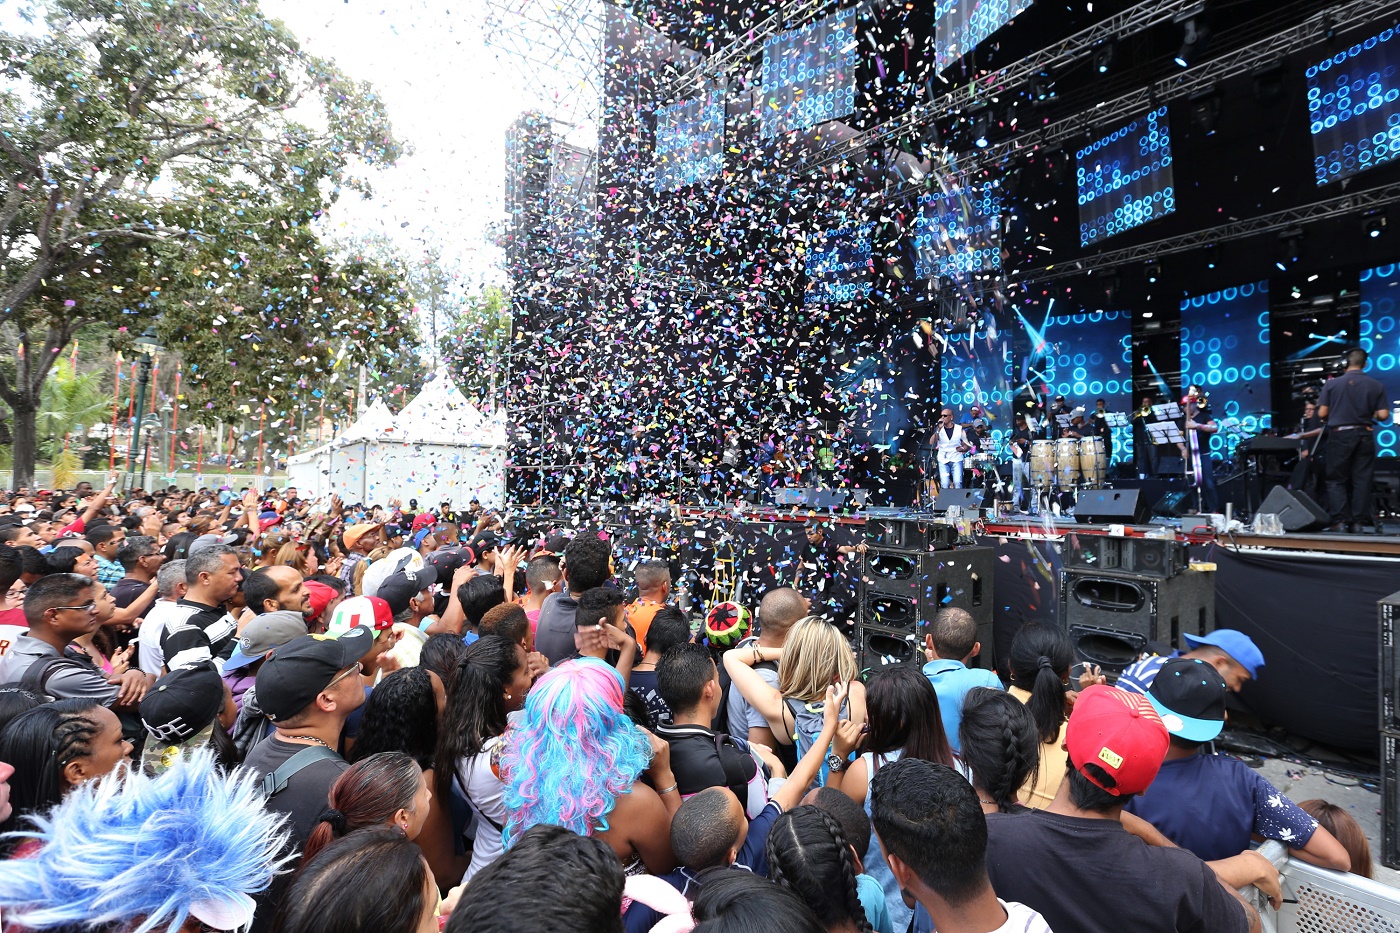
[
  {"x": 344, "y": 674},
  {"x": 89, "y": 607}
]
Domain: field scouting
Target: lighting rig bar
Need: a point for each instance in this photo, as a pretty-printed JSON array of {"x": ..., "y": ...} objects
[
  {"x": 717, "y": 65},
  {"x": 1352, "y": 203},
  {"x": 1080, "y": 45}
]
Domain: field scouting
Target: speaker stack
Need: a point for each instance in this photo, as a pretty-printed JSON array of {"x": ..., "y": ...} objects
[
  {"x": 911, "y": 569},
  {"x": 1120, "y": 595}
]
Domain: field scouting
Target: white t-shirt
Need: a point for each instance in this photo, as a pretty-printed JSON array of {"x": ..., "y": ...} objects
[
  {"x": 486, "y": 794},
  {"x": 1021, "y": 919}
]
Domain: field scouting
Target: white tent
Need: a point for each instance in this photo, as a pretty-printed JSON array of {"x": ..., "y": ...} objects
[{"x": 438, "y": 449}]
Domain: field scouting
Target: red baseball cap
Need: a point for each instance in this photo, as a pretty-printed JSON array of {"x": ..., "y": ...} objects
[
  {"x": 1121, "y": 733},
  {"x": 368, "y": 611},
  {"x": 423, "y": 520},
  {"x": 321, "y": 597}
]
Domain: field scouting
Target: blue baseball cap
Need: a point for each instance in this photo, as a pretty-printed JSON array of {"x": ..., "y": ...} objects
[{"x": 1237, "y": 645}]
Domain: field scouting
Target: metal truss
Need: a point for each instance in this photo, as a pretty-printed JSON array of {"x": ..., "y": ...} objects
[
  {"x": 714, "y": 68},
  {"x": 1355, "y": 202},
  {"x": 1081, "y": 45},
  {"x": 557, "y": 47}
]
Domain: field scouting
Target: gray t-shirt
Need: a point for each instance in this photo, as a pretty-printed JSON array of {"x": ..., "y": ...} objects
[
  {"x": 67, "y": 682},
  {"x": 742, "y": 716},
  {"x": 305, "y": 795},
  {"x": 554, "y": 635}
]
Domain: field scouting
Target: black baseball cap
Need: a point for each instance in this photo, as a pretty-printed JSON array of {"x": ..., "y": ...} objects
[
  {"x": 484, "y": 542},
  {"x": 1189, "y": 695},
  {"x": 289, "y": 680},
  {"x": 182, "y": 703},
  {"x": 447, "y": 560},
  {"x": 399, "y": 588}
]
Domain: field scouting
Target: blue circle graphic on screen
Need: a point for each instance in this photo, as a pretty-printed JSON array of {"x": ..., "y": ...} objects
[
  {"x": 1124, "y": 179},
  {"x": 1353, "y": 105},
  {"x": 1230, "y": 355}
]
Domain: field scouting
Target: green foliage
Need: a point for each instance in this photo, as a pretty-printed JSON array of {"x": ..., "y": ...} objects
[
  {"x": 72, "y": 402},
  {"x": 475, "y": 347}
]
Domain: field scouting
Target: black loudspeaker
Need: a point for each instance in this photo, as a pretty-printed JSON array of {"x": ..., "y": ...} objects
[
  {"x": 1295, "y": 510},
  {"x": 1173, "y": 504},
  {"x": 1112, "y": 617},
  {"x": 1150, "y": 557},
  {"x": 1111, "y": 506},
  {"x": 962, "y": 498},
  {"x": 1390, "y": 663},
  {"x": 901, "y": 591},
  {"x": 1390, "y": 799}
]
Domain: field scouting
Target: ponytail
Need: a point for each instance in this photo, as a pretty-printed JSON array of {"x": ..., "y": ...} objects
[{"x": 1040, "y": 656}]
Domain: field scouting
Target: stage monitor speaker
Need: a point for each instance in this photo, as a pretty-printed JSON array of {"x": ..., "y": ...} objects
[
  {"x": 1174, "y": 504},
  {"x": 910, "y": 533},
  {"x": 1111, "y": 506},
  {"x": 899, "y": 592},
  {"x": 962, "y": 498},
  {"x": 1112, "y": 616},
  {"x": 1295, "y": 510},
  {"x": 1151, "y": 557}
]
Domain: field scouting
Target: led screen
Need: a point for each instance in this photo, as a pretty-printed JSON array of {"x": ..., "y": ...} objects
[
  {"x": 1086, "y": 356},
  {"x": 838, "y": 267},
  {"x": 1225, "y": 349},
  {"x": 957, "y": 233},
  {"x": 1125, "y": 179},
  {"x": 1380, "y": 337},
  {"x": 1354, "y": 108},
  {"x": 977, "y": 371},
  {"x": 809, "y": 75},
  {"x": 689, "y": 142},
  {"x": 961, "y": 24}
]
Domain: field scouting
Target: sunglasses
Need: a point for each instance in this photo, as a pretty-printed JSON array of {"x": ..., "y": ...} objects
[{"x": 89, "y": 607}]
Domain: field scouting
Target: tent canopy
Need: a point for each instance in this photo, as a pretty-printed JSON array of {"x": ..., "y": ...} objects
[{"x": 441, "y": 414}]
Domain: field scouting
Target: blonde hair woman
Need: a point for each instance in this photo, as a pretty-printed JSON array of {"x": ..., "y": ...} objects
[{"x": 814, "y": 656}]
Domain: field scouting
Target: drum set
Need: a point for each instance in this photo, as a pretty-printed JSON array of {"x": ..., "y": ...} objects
[{"x": 1068, "y": 464}]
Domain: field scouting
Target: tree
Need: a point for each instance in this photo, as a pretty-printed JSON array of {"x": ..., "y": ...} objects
[
  {"x": 72, "y": 402},
  {"x": 475, "y": 346},
  {"x": 133, "y": 131}
]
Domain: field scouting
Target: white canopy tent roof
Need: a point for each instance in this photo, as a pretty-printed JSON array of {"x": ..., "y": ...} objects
[{"x": 441, "y": 414}]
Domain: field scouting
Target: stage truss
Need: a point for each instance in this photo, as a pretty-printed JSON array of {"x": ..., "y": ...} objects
[{"x": 557, "y": 47}]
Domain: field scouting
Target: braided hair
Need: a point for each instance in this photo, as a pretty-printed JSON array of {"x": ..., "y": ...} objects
[
  {"x": 1000, "y": 743},
  {"x": 808, "y": 852},
  {"x": 39, "y": 744}
]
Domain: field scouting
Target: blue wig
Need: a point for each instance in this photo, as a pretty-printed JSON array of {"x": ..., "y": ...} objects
[
  {"x": 143, "y": 853},
  {"x": 574, "y": 753}
]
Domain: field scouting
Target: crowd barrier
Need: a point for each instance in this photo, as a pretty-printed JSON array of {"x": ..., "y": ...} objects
[{"x": 1319, "y": 900}]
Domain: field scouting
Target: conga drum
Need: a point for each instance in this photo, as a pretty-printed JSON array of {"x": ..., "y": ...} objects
[
  {"x": 1042, "y": 464},
  {"x": 1067, "y": 461},
  {"x": 1093, "y": 461}
]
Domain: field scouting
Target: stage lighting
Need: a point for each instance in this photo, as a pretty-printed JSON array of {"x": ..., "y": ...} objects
[
  {"x": 1209, "y": 253},
  {"x": 1058, "y": 164},
  {"x": 1104, "y": 56},
  {"x": 1041, "y": 87},
  {"x": 1269, "y": 82},
  {"x": 1112, "y": 285},
  {"x": 1153, "y": 270},
  {"x": 1195, "y": 35},
  {"x": 1205, "y": 109},
  {"x": 1290, "y": 248},
  {"x": 1375, "y": 222},
  {"x": 981, "y": 121}
]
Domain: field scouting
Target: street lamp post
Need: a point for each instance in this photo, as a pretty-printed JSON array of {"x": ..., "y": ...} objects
[
  {"x": 166, "y": 448},
  {"x": 151, "y": 420},
  {"x": 149, "y": 347}
]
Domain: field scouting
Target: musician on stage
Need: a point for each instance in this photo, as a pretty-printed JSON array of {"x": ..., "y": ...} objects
[
  {"x": 1020, "y": 444},
  {"x": 1351, "y": 404},
  {"x": 953, "y": 444},
  {"x": 1200, "y": 421},
  {"x": 1144, "y": 450},
  {"x": 1098, "y": 419},
  {"x": 1311, "y": 473},
  {"x": 1052, "y": 421}
]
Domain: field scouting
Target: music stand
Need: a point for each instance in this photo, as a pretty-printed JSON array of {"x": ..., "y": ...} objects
[
  {"x": 1116, "y": 419},
  {"x": 1165, "y": 432}
]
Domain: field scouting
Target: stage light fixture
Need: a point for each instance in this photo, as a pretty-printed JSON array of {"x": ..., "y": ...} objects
[
  {"x": 1205, "y": 109},
  {"x": 1112, "y": 285},
  {"x": 1195, "y": 35},
  {"x": 1104, "y": 56},
  {"x": 1209, "y": 252},
  {"x": 1375, "y": 222},
  {"x": 1290, "y": 248},
  {"x": 1153, "y": 270},
  {"x": 1041, "y": 87},
  {"x": 981, "y": 121},
  {"x": 1269, "y": 82}
]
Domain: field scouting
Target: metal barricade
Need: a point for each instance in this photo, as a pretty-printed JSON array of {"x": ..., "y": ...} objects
[{"x": 1319, "y": 900}]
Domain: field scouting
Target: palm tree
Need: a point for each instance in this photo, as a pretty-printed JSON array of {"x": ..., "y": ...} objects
[{"x": 71, "y": 403}]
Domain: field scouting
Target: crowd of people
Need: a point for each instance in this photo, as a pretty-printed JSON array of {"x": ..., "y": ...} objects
[{"x": 222, "y": 711}]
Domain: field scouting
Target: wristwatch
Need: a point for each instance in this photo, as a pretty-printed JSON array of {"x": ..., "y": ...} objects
[{"x": 835, "y": 762}]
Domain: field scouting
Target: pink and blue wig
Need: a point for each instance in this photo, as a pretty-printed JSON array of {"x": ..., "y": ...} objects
[{"x": 574, "y": 752}]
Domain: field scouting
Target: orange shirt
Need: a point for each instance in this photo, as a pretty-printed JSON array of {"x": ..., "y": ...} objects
[{"x": 639, "y": 616}]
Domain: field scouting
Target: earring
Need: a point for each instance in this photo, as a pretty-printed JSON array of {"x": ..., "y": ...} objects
[{"x": 508, "y": 696}]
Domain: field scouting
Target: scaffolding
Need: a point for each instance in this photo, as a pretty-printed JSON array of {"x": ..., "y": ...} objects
[{"x": 557, "y": 47}]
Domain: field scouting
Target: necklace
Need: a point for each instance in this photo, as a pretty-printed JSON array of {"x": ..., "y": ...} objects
[
  {"x": 307, "y": 738},
  {"x": 988, "y": 803}
]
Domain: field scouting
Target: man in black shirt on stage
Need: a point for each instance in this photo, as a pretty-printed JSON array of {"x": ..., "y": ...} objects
[
  {"x": 1020, "y": 461},
  {"x": 1351, "y": 404}
]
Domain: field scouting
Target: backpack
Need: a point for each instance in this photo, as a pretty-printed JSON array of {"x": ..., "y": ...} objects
[
  {"x": 806, "y": 727},
  {"x": 36, "y": 678}
]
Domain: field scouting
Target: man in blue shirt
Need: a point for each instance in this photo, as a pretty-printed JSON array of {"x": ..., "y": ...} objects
[
  {"x": 950, "y": 641},
  {"x": 1233, "y": 654},
  {"x": 1211, "y": 804}
]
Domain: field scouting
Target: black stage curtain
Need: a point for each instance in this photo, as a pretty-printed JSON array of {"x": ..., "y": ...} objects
[{"x": 1315, "y": 620}]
